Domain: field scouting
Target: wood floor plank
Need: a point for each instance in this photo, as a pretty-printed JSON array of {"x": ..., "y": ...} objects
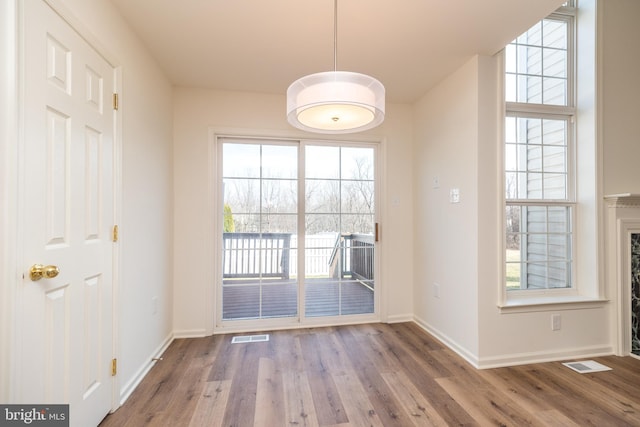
[
  {"x": 407, "y": 349},
  {"x": 422, "y": 371},
  {"x": 269, "y": 409},
  {"x": 186, "y": 395},
  {"x": 414, "y": 403},
  {"x": 487, "y": 406},
  {"x": 567, "y": 399},
  {"x": 299, "y": 408},
  {"x": 625, "y": 408},
  {"x": 555, "y": 418},
  {"x": 244, "y": 382},
  {"x": 377, "y": 390},
  {"x": 533, "y": 397},
  {"x": 211, "y": 405},
  {"x": 226, "y": 364},
  {"x": 332, "y": 353},
  {"x": 360, "y": 410},
  {"x": 326, "y": 398}
]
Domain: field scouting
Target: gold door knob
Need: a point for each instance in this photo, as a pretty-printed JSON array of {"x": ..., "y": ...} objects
[{"x": 39, "y": 271}]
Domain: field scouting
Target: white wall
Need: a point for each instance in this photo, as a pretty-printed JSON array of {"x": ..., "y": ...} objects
[
  {"x": 621, "y": 91},
  {"x": 459, "y": 246},
  {"x": 147, "y": 183},
  {"x": 446, "y": 234},
  {"x": 196, "y": 111}
]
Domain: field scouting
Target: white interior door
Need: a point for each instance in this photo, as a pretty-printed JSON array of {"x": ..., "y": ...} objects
[{"x": 67, "y": 203}]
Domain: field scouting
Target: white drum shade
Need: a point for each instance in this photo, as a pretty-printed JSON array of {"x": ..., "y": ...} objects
[{"x": 335, "y": 102}]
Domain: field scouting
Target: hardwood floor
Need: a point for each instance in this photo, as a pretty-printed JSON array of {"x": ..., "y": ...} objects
[{"x": 369, "y": 375}]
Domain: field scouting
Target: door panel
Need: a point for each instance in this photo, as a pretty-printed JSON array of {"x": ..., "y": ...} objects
[
  {"x": 340, "y": 222},
  {"x": 259, "y": 253},
  {"x": 68, "y": 213}
]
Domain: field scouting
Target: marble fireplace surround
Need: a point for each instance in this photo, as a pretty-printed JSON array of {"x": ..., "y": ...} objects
[{"x": 622, "y": 249}]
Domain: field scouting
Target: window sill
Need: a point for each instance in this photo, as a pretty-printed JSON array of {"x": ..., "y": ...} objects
[{"x": 549, "y": 303}]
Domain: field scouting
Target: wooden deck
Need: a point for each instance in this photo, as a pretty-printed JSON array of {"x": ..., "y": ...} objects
[
  {"x": 368, "y": 375},
  {"x": 323, "y": 297}
]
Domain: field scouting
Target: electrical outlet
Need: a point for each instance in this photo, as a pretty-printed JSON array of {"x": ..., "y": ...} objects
[
  {"x": 556, "y": 322},
  {"x": 436, "y": 290}
]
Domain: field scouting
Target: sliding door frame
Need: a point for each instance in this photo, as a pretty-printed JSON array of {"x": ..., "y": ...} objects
[{"x": 214, "y": 242}]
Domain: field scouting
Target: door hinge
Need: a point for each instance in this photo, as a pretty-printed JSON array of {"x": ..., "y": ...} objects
[
  {"x": 115, "y": 101},
  {"x": 115, "y": 233},
  {"x": 114, "y": 367}
]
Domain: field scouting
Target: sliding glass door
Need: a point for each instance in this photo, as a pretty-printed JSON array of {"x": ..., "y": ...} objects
[
  {"x": 339, "y": 226},
  {"x": 298, "y": 237}
]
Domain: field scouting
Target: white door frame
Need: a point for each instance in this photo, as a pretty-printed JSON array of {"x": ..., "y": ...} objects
[
  {"x": 11, "y": 122},
  {"x": 213, "y": 294},
  {"x": 9, "y": 131}
]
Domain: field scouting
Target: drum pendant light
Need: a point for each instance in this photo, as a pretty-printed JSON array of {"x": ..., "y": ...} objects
[{"x": 335, "y": 101}]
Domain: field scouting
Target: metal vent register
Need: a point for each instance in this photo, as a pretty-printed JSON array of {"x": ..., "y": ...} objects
[
  {"x": 249, "y": 338},
  {"x": 587, "y": 366}
]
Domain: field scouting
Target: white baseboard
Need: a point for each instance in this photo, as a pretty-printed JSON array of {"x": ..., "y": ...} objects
[
  {"x": 131, "y": 385},
  {"x": 444, "y": 339},
  {"x": 544, "y": 356},
  {"x": 502, "y": 361},
  {"x": 400, "y": 318},
  {"x": 190, "y": 333}
]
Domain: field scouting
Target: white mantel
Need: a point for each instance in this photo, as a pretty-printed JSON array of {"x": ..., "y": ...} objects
[{"x": 623, "y": 200}]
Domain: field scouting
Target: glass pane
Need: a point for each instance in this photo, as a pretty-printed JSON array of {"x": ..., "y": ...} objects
[
  {"x": 357, "y": 163},
  {"x": 540, "y": 157},
  {"x": 538, "y": 60},
  {"x": 359, "y": 224},
  {"x": 322, "y": 224},
  {"x": 240, "y": 302},
  {"x": 529, "y": 89},
  {"x": 322, "y": 162},
  {"x": 510, "y": 59},
  {"x": 242, "y": 195},
  {"x": 511, "y": 88},
  {"x": 357, "y": 197},
  {"x": 322, "y": 196},
  {"x": 554, "y": 33},
  {"x": 538, "y": 247},
  {"x": 555, "y": 91},
  {"x": 241, "y": 160},
  {"x": 279, "y": 161},
  {"x": 279, "y": 223},
  {"x": 279, "y": 196},
  {"x": 555, "y": 63}
]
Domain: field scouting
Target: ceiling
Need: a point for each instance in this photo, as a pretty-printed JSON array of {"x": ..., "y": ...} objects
[{"x": 264, "y": 45}]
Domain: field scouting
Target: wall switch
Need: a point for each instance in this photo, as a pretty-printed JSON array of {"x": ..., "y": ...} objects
[
  {"x": 556, "y": 322},
  {"x": 436, "y": 290},
  {"x": 454, "y": 195},
  {"x": 154, "y": 305}
]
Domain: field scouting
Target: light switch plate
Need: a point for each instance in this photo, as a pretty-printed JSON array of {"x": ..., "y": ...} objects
[{"x": 454, "y": 195}]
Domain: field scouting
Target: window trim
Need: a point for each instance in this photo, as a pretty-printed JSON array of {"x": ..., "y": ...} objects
[{"x": 529, "y": 297}]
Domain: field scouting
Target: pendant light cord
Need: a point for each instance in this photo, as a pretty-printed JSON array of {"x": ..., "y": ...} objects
[{"x": 335, "y": 35}]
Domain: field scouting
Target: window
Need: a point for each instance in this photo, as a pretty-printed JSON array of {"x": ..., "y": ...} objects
[{"x": 539, "y": 170}]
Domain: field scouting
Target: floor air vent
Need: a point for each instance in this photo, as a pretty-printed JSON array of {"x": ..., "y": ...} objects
[
  {"x": 249, "y": 338},
  {"x": 586, "y": 366}
]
